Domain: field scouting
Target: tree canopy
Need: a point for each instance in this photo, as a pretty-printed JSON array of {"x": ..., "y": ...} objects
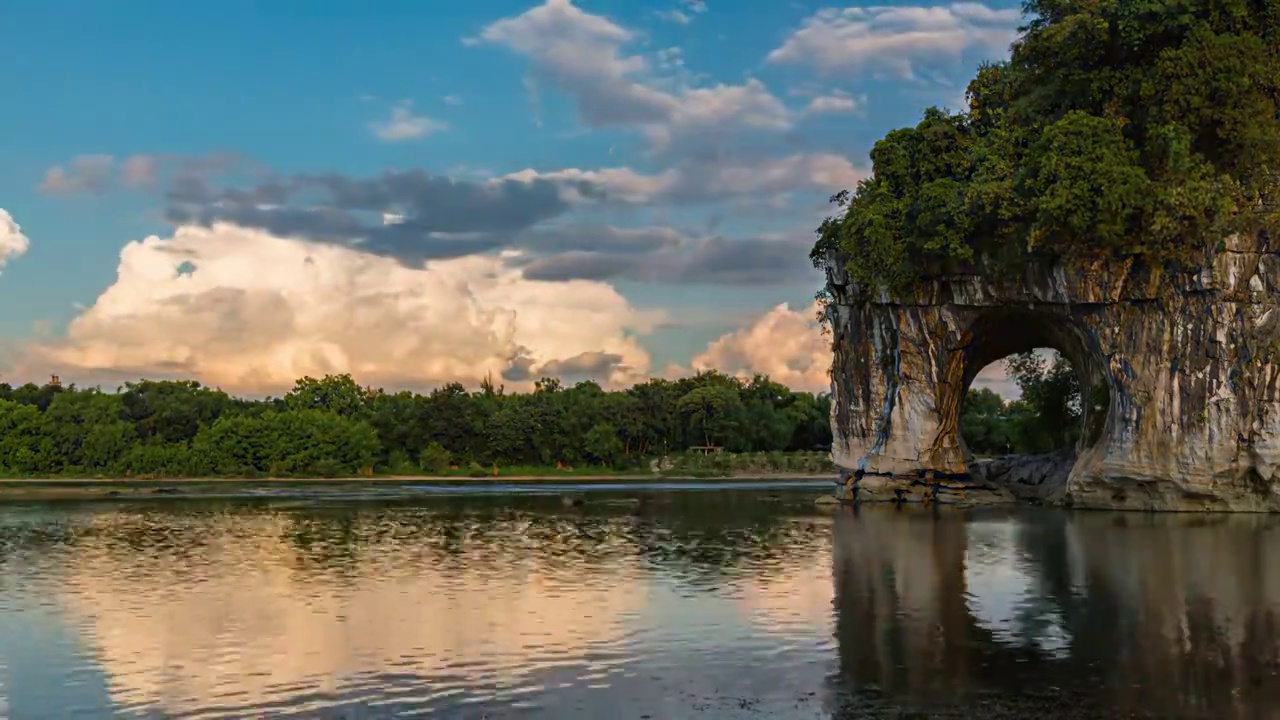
[
  {"x": 332, "y": 426},
  {"x": 1115, "y": 128}
]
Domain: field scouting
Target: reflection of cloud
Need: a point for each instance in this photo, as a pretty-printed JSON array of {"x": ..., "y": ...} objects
[
  {"x": 794, "y": 599},
  {"x": 254, "y": 615},
  {"x": 1003, "y": 592}
]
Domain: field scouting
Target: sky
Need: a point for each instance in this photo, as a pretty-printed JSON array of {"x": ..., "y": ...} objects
[{"x": 428, "y": 192}]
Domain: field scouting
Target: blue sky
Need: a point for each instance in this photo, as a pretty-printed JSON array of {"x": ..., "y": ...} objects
[{"x": 599, "y": 189}]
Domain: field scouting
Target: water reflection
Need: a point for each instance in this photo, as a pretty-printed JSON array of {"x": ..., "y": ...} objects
[
  {"x": 232, "y": 611},
  {"x": 1093, "y": 614},
  {"x": 691, "y": 605}
]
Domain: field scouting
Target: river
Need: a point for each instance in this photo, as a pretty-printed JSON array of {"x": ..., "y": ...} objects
[{"x": 693, "y": 603}]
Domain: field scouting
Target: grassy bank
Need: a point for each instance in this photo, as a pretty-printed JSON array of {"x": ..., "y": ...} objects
[
  {"x": 685, "y": 465},
  {"x": 44, "y": 489},
  {"x": 743, "y": 466}
]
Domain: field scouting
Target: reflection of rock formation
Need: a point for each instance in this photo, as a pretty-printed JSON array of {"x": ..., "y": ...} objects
[
  {"x": 899, "y": 594},
  {"x": 1196, "y": 606},
  {"x": 277, "y": 605},
  {"x": 1167, "y": 615}
]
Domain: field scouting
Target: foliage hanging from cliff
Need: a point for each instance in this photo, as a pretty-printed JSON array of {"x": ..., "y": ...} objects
[{"x": 1117, "y": 127}]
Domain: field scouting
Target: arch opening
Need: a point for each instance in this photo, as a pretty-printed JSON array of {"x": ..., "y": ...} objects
[
  {"x": 1030, "y": 403},
  {"x": 1034, "y": 398}
]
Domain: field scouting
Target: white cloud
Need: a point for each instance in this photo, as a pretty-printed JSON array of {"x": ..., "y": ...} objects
[
  {"x": 674, "y": 16},
  {"x": 583, "y": 55},
  {"x": 818, "y": 172},
  {"x": 836, "y": 102},
  {"x": 894, "y": 39},
  {"x": 702, "y": 115},
  {"x": 787, "y": 345},
  {"x": 12, "y": 242},
  {"x": 622, "y": 183},
  {"x": 260, "y": 311},
  {"x": 404, "y": 125},
  {"x": 452, "y": 100}
]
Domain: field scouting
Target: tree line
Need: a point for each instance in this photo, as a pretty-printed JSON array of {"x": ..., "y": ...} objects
[{"x": 332, "y": 426}]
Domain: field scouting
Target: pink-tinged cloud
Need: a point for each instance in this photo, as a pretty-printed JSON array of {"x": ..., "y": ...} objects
[{"x": 787, "y": 345}]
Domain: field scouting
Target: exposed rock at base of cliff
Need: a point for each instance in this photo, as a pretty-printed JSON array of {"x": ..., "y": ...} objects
[
  {"x": 1188, "y": 360},
  {"x": 1030, "y": 478}
]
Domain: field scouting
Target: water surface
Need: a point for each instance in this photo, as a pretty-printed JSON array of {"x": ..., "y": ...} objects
[{"x": 717, "y": 603}]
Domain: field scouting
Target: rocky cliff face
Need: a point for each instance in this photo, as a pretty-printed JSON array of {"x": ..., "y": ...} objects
[{"x": 1191, "y": 362}]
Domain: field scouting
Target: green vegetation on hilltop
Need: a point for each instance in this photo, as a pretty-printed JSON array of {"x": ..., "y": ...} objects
[
  {"x": 1117, "y": 127},
  {"x": 334, "y": 427}
]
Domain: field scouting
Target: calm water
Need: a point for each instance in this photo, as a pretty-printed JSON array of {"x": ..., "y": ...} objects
[{"x": 711, "y": 604}]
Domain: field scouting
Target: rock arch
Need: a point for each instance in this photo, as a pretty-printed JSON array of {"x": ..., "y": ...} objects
[
  {"x": 996, "y": 333},
  {"x": 1188, "y": 358}
]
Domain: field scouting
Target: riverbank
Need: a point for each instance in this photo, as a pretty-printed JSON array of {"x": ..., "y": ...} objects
[{"x": 137, "y": 488}]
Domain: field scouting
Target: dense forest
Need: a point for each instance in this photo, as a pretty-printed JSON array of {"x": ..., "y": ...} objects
[
  {"x": 332, "y": 426},
  {"x": 1116, "y": 128}
]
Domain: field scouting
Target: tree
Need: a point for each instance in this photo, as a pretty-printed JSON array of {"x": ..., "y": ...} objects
[
  {"x": 1052, "y": 392},
  {"x": 335, "y": 393},
  {"x": 984, "y": 425},
  {"x": 1114, "y": 129},
  {"x": 711, "y": 411}
]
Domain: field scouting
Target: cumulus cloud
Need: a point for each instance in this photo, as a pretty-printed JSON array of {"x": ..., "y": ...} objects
[
  {"x": 255, "y": 311},
  {"x": 12, "y": 242},
  {"x": 405, "y": 125},
  {"x": 894, "y": 39},
  {"x": 585, "y": 56},
  {"x": 787, "y": 345},
  {"x": 793, "y": 348}
]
